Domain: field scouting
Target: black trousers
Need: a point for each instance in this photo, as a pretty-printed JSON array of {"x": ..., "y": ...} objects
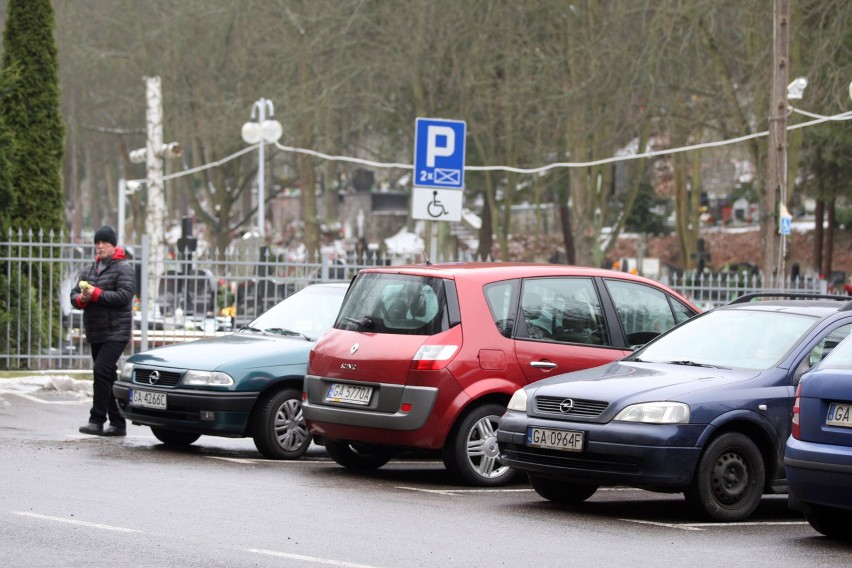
[{"x": 105, "y": 357}]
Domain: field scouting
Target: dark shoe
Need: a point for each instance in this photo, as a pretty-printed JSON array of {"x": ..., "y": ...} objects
[
  {"x": 93, "y": 428},
  {"x": 115, "y": 431}
]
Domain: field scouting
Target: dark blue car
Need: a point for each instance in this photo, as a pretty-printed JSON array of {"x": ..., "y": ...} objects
[
  {"x": 818, "y": 458},
  {"x": 705, "y": 409}
]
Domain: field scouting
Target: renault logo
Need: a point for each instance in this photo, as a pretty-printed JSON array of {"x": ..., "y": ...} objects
[
  {"x": 354, "y": 348},
  {"x": 566, "y": 405},
  {"x": 154, "y": 377}
]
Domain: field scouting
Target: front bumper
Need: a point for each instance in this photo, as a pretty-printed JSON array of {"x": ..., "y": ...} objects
[
  {"x": 651, "y": 456},
  {"x": 214, "y": 413}
]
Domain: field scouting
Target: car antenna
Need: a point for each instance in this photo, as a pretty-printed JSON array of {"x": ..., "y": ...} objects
[{"x": 428, "y": 262}]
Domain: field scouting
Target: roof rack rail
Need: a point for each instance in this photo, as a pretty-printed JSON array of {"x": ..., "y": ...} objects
[{"x": 745, "y": 298}]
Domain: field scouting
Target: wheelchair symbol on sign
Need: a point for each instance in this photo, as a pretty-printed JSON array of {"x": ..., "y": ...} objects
[{"x": 436, "y": 208}]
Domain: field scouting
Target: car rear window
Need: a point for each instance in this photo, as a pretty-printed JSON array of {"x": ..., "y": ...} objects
[{"x": 395, "y": 303}]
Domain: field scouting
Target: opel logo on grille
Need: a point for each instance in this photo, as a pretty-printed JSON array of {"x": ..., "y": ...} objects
[
  {"x": 154, "y": 377},
  {"x": 354, "y": 348},
  {"x": 566, "y": 405}
]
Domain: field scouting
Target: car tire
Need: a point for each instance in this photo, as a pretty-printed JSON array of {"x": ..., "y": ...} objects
[
  {"x": 562, "y": 492},
  {"x": 830, "y": 521},
  {"x": 278, "y": 427},
  {"x": 471, "y": 451},
  {"x": 174, "y": 437},
  {"x": 730, "y": 478},
  {"x": 360, "y": 457}
]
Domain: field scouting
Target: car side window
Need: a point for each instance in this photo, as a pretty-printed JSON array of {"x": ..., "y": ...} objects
[
  {"x": 829, "y": 342},
  {"x": 644, "y": 311},
  {"x": 502, "y": 298},
  {"x": 562, "y": 310}
]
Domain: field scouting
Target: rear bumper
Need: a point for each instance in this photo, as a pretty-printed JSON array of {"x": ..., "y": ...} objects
[
  {"x": 224, "y": 413},
  {"x": 818, "y": 474},
  {"x": 384, "y": 412}
]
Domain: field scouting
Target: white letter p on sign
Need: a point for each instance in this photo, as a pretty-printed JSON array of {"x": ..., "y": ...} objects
[{"x": 432, "y": 149}]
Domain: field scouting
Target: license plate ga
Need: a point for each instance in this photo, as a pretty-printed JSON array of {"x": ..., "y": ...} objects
[
  {"x": 351, "y": 394},
  {"x": 839, "y": 414},
  {"x": 148, "y": 399},
  {"x": 551, "y": 439}
]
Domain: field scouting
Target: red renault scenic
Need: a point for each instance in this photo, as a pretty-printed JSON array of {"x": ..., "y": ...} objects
[{"x": 427, "y": 356}]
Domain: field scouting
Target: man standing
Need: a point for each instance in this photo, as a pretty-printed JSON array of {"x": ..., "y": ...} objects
[{"x": 105, "y": 294}]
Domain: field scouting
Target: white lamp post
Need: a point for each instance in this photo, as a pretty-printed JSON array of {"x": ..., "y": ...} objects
[{"x": 263, "y": 130}]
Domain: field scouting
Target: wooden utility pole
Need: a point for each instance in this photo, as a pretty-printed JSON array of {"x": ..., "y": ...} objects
[{"x": 776, "y": 160}]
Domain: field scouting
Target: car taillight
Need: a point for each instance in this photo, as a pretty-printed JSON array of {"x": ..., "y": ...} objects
[
  {"x": 433, "y": 357},
  {"x": 795, "y": 430}
]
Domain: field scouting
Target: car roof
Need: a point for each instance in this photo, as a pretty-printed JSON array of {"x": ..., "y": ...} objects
[
  {"x": 809, "y": 304},
  {"x": 329, "y": 285},
  {"x": 489, "y": 271}
]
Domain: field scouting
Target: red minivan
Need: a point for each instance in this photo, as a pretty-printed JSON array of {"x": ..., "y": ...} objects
[{"x": 427, "y": 356}]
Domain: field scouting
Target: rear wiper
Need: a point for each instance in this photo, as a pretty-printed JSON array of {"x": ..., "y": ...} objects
[
  {"x": 282, "y": 331},
  {"x": 694, "y": 364},
  {"x": 364, "y": 322}
]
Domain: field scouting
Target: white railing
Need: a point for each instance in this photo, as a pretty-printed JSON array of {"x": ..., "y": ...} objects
[{"x": 202, "y": 295}]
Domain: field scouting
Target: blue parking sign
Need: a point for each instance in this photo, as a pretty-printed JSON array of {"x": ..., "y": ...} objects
[{"x": 439, "y": 153}]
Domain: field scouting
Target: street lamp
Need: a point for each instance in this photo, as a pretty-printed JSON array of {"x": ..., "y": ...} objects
[{"x": 263, "y": 130}]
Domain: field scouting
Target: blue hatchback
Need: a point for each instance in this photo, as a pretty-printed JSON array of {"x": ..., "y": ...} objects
[
  {"x": 704, "y": 409},
  {"x": 818, "y": 457}
]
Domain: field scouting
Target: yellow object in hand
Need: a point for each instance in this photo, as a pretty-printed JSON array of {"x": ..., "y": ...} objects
[{"x": 84, "y": 285}]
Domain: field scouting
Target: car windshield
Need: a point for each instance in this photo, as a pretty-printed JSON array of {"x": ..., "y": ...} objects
[
  {"x": 309, "y": 313},
  {"x": 395, "y": 303},
  {"x": 840, "y": 357},
  {"x": 736, "y": 339}
]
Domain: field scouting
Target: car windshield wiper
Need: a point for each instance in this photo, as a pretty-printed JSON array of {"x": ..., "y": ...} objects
[
  {"x": 364, "y": 322},
  {"x": 282, "y": 331},
  {"x": 249, "y": 328},
  {"x": 695, "y": 364}
]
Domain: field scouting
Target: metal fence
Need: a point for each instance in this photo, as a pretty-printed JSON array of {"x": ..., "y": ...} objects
[{"x": 183, "y": 297}]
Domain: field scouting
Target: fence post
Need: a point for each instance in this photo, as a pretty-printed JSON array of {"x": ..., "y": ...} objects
[{"x": 143, "y": 293}]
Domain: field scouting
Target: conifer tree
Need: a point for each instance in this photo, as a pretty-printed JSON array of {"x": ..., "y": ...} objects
[{"x": 30, "y": 109}]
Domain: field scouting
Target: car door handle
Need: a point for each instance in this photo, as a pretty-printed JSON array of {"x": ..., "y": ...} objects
[{"x": 542, "y": 364}]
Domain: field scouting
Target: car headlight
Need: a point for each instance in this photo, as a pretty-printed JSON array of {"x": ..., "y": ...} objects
[
  {"x": 126, "y": 372},
  {"x": 518, "y": 401},
  {"x": 207, "y": 379},
  {"x": 655, "y": 413}
]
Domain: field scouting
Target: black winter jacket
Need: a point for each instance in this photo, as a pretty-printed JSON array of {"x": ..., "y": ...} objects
[{"x": 109, "y": 315}]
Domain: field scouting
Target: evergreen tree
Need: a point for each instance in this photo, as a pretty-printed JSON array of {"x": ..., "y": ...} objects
[
  {"x": 6, "y": 195},
  {"x": 31, "y": 152},
  {"x": 30, "y": 109}
]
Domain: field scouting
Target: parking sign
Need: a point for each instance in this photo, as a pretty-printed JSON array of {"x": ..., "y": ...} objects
[{"x": 439, "y": 153}]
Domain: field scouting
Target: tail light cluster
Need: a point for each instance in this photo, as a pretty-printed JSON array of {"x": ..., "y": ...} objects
[
  {"x": 438, "y": 351},
  {"x": 795, "y": 430}
]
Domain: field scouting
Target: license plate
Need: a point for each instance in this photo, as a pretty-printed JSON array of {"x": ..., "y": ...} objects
[
  {"x": 148, "y": 399},
  {"x": 352, "y": 394},
  {"x": 549, "y": 439},
  {"x": 839, "y": 414}
]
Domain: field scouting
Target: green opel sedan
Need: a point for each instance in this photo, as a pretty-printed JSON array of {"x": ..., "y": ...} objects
[{"x": 244, "y": 384}]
